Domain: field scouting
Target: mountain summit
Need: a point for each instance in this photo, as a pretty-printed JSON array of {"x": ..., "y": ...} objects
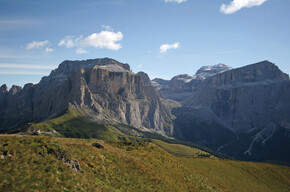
[{"x": 208, "y": 71}]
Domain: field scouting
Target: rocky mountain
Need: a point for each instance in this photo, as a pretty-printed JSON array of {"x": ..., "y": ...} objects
[
  {"x": 182, "y": 86},
  {"x": 244, "y": 113},
  {"x": 103, "y": 89}
]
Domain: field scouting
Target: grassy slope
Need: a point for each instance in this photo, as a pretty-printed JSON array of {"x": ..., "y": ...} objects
[
  {"x": 181, "y": 150},
  {"x": 126, "y": 167},
  {"x": 72, "y": 124}
]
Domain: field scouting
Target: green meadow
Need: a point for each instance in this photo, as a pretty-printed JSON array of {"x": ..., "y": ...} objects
[{"x": 33, "y": 163}]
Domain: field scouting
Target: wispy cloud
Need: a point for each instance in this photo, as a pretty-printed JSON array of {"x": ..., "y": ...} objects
[
  {"x": 107, "y": 28},
  {"x": 37, "y": 44},
  {"x": 48, "y": 50},
  {"x": 67, "y": 41},
  {"x": 81, "y": 51},
  {"x": 44, "y": 45},
  {"x": 70, "y": 41},
  {"x": 227, "y": 52},
  {"x": 175, "y": 1},
  {"x": 165, "y": 47},
  {"x": 11, "y": 56},
  {"x": 10, "y": 72},
  {"x": 25, "y": 66},
  {"x": 14, "y": 23},
  {"x": 236, "y": 5},
  {"x": 104, "y": 40}
]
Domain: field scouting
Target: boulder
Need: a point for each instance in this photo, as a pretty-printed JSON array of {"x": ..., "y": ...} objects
[{"x": 98, "y": 145}]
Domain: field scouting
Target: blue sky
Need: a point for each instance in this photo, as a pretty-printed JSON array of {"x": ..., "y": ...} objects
[{"x": 162, "y": 38}]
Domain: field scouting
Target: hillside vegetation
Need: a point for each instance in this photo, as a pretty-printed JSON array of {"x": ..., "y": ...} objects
[
  {"x": 38, "y": 163},
  {"x": 73, "y": 125},
  {"x": 181, "y": 150}
]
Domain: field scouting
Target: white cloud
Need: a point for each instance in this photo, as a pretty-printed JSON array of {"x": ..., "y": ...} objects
[
  {"x": 104, "y": 39},
  {"x": 166, "y": 47},
  {"x": 236, "y": 5},
  {"x": 48, "y": 50},
  {"x": 81, "y": 51},
  {"x": 140, "y": 66},
  {"x": 176, "y": 1},
  {"x": 25, "y": 66},
  {"x": 37, "y": 45},
  {"x": 69, "y": 41}
]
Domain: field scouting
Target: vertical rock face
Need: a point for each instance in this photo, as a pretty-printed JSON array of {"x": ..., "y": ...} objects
[
  {"x": 105, "y": 86},
  {"x": 145, "y": 78},
  {"x": 246, "y": 97},
  {"x": 253, "y": 102}
]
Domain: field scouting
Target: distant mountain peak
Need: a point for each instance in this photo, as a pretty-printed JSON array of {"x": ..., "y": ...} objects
[{"x": 207, "y": 71}]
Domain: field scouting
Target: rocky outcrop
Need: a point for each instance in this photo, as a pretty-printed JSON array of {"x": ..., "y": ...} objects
[
  {"x": 74, "y": 165},
  {"x": 145, "y": 78},
  {"x": 106, "y": 87},
  {"x": 98, "y": 145}
]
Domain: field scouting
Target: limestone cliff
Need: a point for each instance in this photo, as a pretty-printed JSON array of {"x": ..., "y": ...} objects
[
  {"x": 106, "y": 88},
  {"x": 246, "y": 97},
  {"x": 251, "y": 102}
]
